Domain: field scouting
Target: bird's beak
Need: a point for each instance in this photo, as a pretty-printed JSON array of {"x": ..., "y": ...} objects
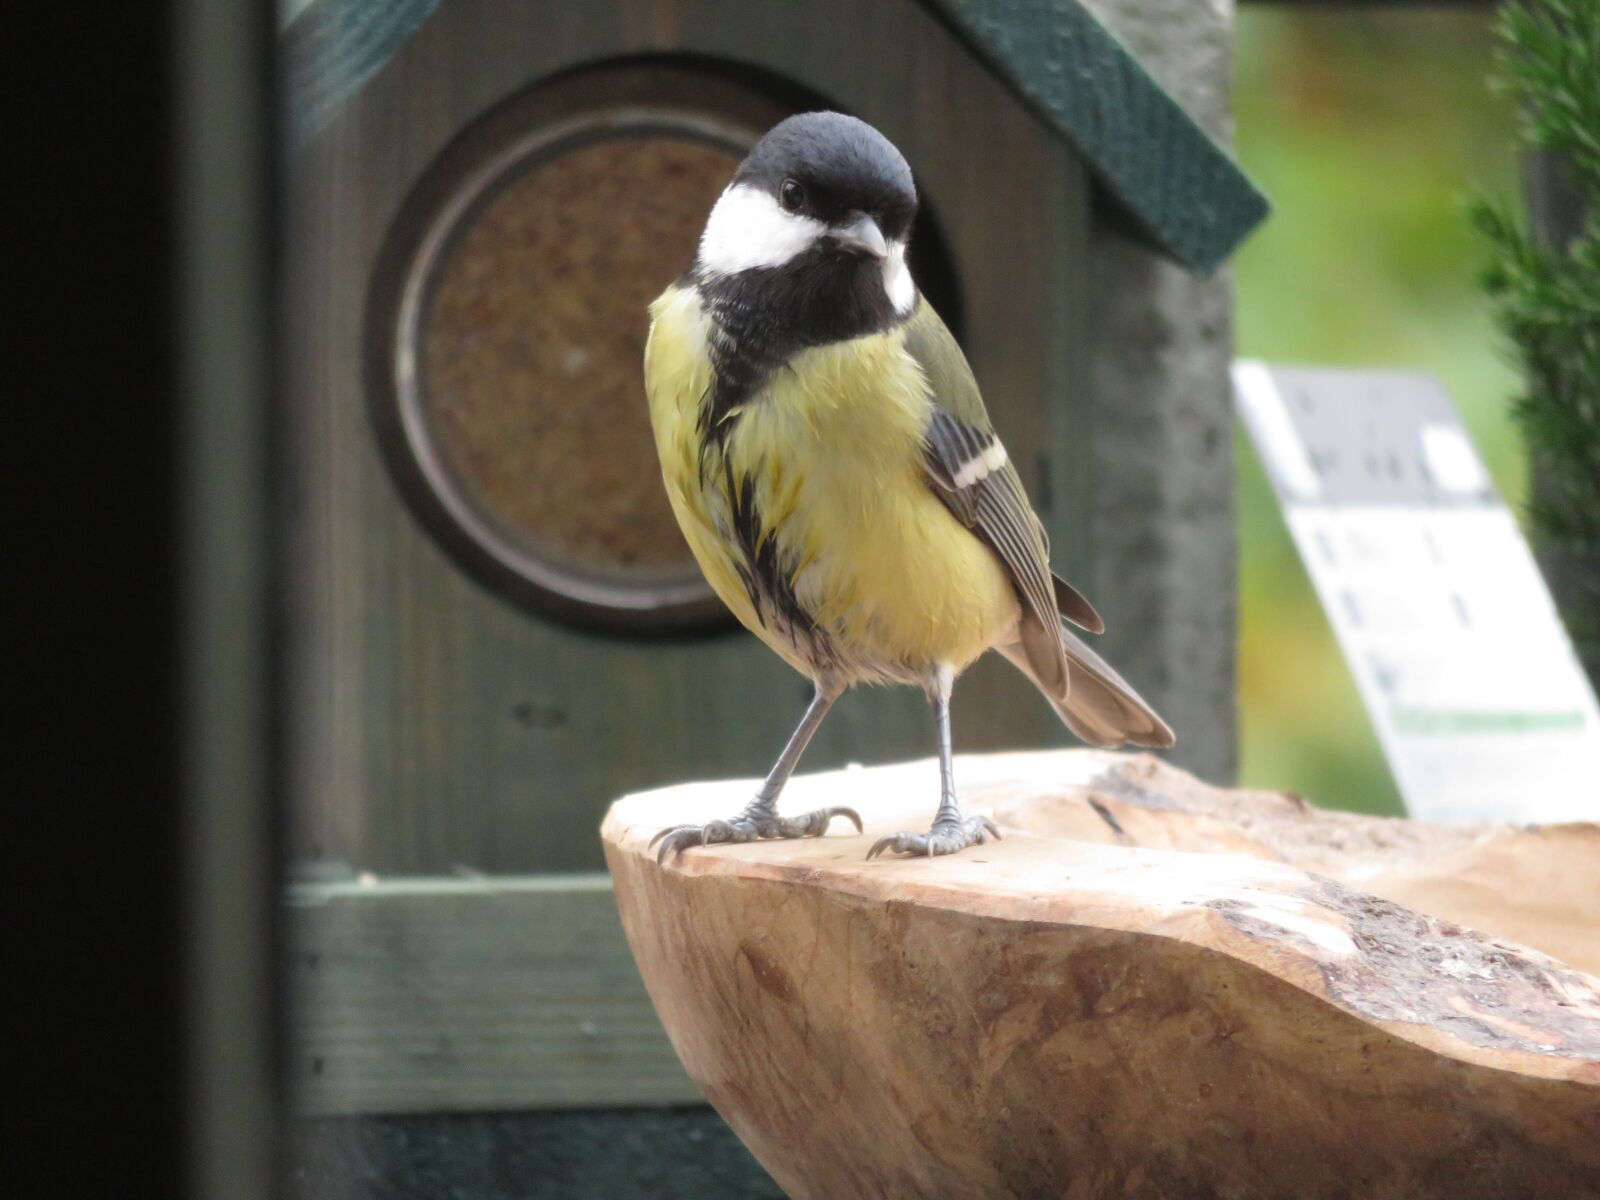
[{"x": 862, "y": 235}]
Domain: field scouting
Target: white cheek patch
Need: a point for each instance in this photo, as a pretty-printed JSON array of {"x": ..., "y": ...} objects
[
  {"x": 747, "y": 230},
  {"x": 897, "y": 279}
]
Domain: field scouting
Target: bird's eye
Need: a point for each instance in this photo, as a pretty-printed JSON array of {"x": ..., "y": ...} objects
[{"x": 791, "y": 195}]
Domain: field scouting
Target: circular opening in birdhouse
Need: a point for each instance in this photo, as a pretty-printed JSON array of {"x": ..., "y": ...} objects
[
  {"x": 530, "y": 339},
  {"x": 508, "y": 323}
]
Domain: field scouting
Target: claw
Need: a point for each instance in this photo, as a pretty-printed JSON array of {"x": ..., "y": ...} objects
[
  {"x": 839, "y": 811},
  {"x": 671, "y": 830},
  {"x": 661, "y": 833},
  {"x": 948, "y": 837},
  {"x": 679, "y": 839}
]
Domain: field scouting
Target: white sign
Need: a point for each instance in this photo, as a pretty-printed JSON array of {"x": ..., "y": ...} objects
[{"x": 1479, "y": 700}]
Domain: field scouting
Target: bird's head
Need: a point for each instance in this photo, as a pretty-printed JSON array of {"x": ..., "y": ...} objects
[{"x": 816, "y": 224}]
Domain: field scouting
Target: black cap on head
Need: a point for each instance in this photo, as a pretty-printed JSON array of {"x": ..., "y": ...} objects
[{"x": 842, "y": 166}]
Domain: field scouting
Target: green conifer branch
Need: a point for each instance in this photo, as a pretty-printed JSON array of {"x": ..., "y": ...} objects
[{"x": 1546, "y": 297}]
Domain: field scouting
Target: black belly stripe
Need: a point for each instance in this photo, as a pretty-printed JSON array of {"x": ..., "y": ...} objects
[
  {"x": 767, "y": 577},
  {"x": 760, "y": 319}
]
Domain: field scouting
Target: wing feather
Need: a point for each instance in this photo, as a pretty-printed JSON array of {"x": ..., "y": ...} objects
[
  {"x": 1075, "y": 607},
  {"x": 970, "y": 471}
]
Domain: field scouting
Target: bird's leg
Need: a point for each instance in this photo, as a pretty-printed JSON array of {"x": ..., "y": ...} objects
[
  {"x": 760, "y": 817},
  {"x": 949, "y": 833}
]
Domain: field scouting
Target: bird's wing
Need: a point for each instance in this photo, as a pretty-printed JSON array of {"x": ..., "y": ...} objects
[{"x": 968, "y": 469}]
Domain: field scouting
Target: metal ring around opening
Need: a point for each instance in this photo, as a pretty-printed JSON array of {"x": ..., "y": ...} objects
[{"x": 619, "y": 597}]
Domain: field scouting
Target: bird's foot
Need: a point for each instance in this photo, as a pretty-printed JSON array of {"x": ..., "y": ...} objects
[
  {"x": 946, "y": 837},
  {"x": 749, "y": 826}
]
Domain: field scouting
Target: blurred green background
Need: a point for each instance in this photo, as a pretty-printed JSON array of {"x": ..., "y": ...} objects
[{"x": 1369, "y": 130}]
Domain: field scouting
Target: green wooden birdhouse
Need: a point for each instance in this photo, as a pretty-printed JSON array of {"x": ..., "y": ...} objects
[{"x": 496, "y": 626}]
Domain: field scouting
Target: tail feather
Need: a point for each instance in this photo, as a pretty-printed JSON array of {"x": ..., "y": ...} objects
[
  {"x": 1094, "y": 701},
  {"x": 1075, "y": 606}
]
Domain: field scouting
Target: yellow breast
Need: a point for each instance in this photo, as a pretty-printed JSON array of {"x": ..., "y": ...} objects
[{"x": 833, "y": 449}]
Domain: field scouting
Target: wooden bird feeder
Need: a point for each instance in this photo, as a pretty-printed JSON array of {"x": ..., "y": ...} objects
[{"x": 1150, "y": 988}]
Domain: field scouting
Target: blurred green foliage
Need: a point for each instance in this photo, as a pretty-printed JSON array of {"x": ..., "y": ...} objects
[
  {"x": 1545, "y": 292},
  {"x": 1369, "y": 130}
]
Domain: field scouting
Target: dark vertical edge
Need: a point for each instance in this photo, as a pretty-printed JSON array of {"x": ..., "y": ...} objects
[
  {"x": 225, "y": 136},
  {"x": 96, "y": 439},
  {"x": 91, "y": 822}
]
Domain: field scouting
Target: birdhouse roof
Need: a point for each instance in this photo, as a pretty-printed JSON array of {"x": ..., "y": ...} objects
[
  {"x": 1185, "y": 194},
  {"x": 1182, "y": 192}
]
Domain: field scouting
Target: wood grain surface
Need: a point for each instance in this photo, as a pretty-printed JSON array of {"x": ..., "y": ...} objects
[{"x": 1172, "y": 1008}]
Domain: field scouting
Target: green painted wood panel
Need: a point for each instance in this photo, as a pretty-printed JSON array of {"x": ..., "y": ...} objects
[
  {"x": 553, "y": 1154},
  {"x": 1182, "y": 190},
  {"x": 470, "y": 994}
]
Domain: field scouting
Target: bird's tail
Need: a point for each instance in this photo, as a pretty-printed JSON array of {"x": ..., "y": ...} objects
[{"x": 1095, "y": 702}]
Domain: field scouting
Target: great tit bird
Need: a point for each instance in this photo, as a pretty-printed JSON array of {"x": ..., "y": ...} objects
[{"x": 828, "y": 456}]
